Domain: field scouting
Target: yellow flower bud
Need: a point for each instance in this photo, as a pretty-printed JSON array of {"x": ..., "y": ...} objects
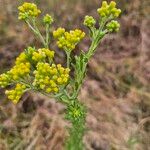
[
  {"x": 68, "y": 40},
  {"x": 55, "y": 90},
  {"x": 48, "y": 90},
  {"x": 109, "y": 10},
  {"x": 60, "y": 80},
  {"x": 28, "y": 10},
  {"x": 49, "y": 77},
  {"x": 15, "y": 94}
]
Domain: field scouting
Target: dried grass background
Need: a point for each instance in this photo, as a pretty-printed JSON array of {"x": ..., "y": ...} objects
[{"x": 116, "y": 90}]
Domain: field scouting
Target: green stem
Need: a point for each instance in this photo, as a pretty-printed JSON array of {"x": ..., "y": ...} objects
[
  {"x": 81, "y": 74},
  {"x": 47, "y": 35},
  {"x": 68, "y": 53},
  {"x": 31, "y": 27},
  {"x": 36, "y": 31},
  {"x": 76, "y": 114}
]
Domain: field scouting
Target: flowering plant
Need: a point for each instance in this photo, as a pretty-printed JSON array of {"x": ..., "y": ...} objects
[{"x": 36, "y": 70}]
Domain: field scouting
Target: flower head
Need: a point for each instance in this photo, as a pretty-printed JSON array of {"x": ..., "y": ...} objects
[
  {"x": 22, "y": 58},
  {"x": 109, "y": 10},
  {"x": 68, "y": 40},
  {"x": 5, "y": 79},
  {"x": 58, "y": 33},
  {"x": 41, "y": 54},
  {"x": 16, "y": 93},
  {"x": 89, "y": 21},
  {"x": 28, "y": 10},
  {"x": 20, "y": 71},
  {"x": 48, "y": 19},
  {"x": 113, "y": 26},
  {"x": 50, "y": 77}
]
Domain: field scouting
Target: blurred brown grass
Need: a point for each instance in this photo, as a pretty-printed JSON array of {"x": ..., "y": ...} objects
[{"x": 116, "y": 90}]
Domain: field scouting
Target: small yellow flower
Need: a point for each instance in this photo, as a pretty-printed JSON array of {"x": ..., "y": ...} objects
[
  {"x": 15, "y": 94},
  {"x": 28, "y": 10}
]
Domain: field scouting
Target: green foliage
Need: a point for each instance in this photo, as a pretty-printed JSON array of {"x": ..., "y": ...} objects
[
  {"x": 36, "y": 70},
  {"x": 132, "y": 142},
  {"x": 76, "y": 133},
  {"x": 76, "y": 113}
]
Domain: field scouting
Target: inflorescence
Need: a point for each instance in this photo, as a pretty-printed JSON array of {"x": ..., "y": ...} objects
[
  {"x": 28, "y": 10},
  {"x": 109, "y": 10},
  {"x": 68, "y": 40},
  {"x": 16, "y": 93},
  {"x": 89, "y": 21},
  {"x": 48, "y": 19},
  {"x": 50, "y": 77},
  {"x": 37, "y": 67},
  {"x": 107, "y": 13}
]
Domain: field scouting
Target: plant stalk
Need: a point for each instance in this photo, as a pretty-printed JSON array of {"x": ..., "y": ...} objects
[{"x": 76, "y": 114}]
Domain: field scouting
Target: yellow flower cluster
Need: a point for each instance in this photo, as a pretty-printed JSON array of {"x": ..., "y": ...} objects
[
  {"x": 89, "y": 21},
  {"x": 22, "y": 66},
  {"x": 22, "y": 58},
  {"x": 47, "y": 77},
  {"x": 48, "y": 19},
  {"x": 109, "y": 10},
  {"x": 41, "y": 54},
  {"x": 28, "y": 10},
  {"x": 113, "y": 26},
  {"x": 5, "y": 79},
  {"x": 68, "y": 40},
  {"x": 58, "y": 33},
  {"x": 16, "y": 93},
  {"x": 20, "y": 70},
  {"x": 35, "y": 55},
  {"x": 50, "y": 78}
]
